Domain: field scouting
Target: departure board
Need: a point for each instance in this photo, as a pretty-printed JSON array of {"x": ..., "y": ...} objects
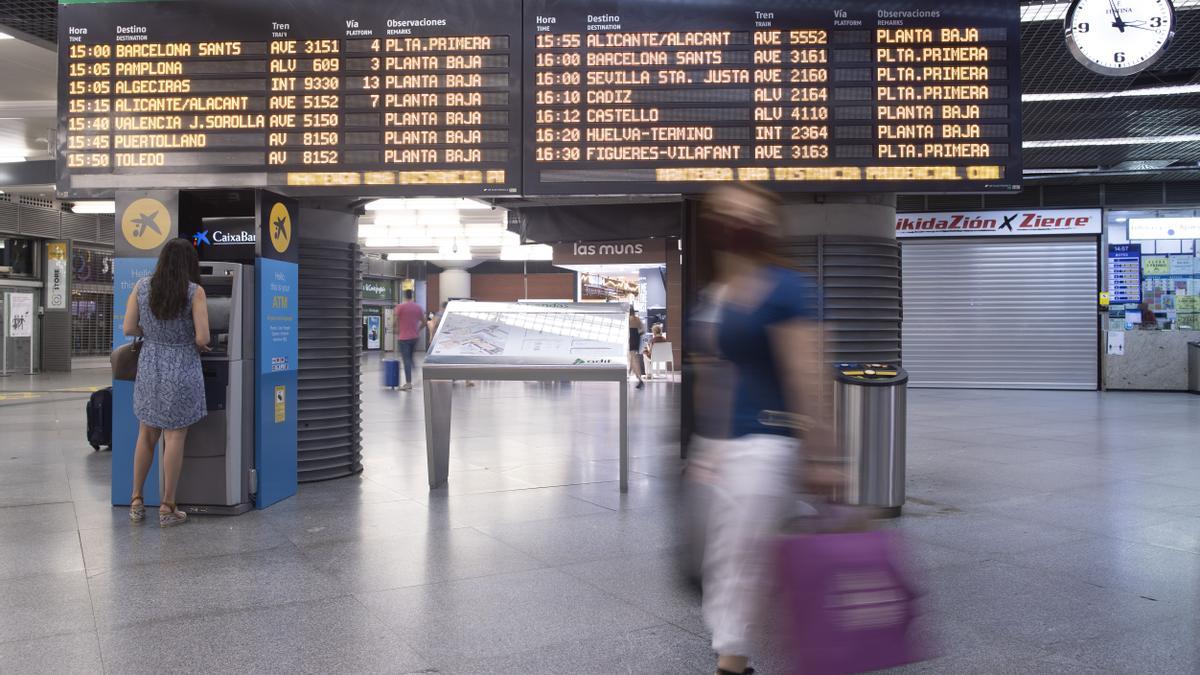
[
  {"x": 664, "y": 96},
  {"x": 420, "y": 97}
]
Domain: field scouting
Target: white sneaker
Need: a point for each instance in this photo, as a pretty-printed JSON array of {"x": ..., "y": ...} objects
[{"x": 406, "y": 387}]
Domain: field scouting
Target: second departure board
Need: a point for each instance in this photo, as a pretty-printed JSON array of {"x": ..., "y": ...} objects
[
  {"x": 664, "y": 96},
  {"x": 420, "y": 97}
]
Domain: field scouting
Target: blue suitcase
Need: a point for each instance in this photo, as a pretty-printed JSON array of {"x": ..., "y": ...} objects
[{"x": 391, "y": 373}]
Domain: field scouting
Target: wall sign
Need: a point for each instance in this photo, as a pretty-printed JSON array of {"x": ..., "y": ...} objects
[
  {"x": 377, "y": 290},
  {"x": 999, "y": 223},
  {"x": 1164, "y": 228},
  {"x": 1125, "y": 273},
  {"x": 652, "y": 251},
  {"x": 56, "y": 275}
]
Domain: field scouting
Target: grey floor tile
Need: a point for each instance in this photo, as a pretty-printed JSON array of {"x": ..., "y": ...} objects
[
  {"x": 416, "y": 558},
  {"x": 986, "y": 533},
  {"x": 645, "y": 492},
  {"x": 31, "y": 554},
  {"x": 582, "y": 538},
  {"x": 57, "y": 490},
  {"x": 652, "y": 582},
  {"x": 42, "y": 518},
  {"x": 416, "y": 486},
  {"x": 128, "y": 544},
  {"x": 1168, "y": 576},
  {"x": 335, "y": 635},
  {"x": 1040, "y": 607},
  {"x": 1168, "y": 647},
  {"x": 41, "y": 606},
  {"x": 493, "y": 617},
  {"x": 514, "y": 506},
  {"x": 660, "y": 649},
  {"x": 199, "y": 586},
  {"x": 75, "y": 654},
  {"x": 354, "y": 520}
]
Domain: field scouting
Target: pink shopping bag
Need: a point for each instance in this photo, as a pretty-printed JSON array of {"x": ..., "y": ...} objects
[{"x": 848, "y": 605}]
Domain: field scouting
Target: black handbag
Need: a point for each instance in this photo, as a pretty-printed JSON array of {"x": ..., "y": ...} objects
[{"x": 124, "y": 361}]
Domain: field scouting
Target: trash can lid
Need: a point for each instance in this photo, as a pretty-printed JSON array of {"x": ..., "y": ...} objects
[{"x": 871, "y": 374}]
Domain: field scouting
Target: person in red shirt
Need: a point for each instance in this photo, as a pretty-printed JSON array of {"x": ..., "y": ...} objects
[{"x": 410, "y": 319}]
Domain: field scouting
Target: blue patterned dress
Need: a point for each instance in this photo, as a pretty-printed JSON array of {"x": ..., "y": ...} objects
[{"x": 169, "y": 390}]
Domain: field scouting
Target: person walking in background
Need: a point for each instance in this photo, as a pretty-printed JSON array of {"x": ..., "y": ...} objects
[
  {"x": 635, "y": 346},
  {"x": 759, "y": 320},
  {"x": 410, "y": 320},
  {"x": 170, "y": 312}
]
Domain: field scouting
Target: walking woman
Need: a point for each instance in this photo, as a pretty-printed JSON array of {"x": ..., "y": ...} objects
[
  {"x": 759, "y": 321},
  {"x": 635, "y": 346},
  {"x": 170, "y": 312}
]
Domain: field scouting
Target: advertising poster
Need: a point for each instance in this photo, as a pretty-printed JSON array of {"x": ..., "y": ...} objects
[
  {"x": 374, "y": 332},
  {"x": 278, "y": 320},
  {"x": 56, "y": 275},
  {"x": 20, "y": 315},
  {"x": 275, "y": 383}
]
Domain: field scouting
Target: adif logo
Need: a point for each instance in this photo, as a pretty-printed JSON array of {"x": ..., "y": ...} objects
[{"x": 608, "y": 249}]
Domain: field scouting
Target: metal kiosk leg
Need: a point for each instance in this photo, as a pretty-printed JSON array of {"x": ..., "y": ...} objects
[
  {"x": 622, "y": 416},
  {"x": 438, "y": 395}
]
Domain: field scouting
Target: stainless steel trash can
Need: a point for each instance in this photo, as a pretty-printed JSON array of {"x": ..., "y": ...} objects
[
  {"x": 870, "y": 406},
  {"x": 1194, "y": 367}
]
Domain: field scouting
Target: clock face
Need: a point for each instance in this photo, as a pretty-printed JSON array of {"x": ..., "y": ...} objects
[{"x": 1119, "y": 37}]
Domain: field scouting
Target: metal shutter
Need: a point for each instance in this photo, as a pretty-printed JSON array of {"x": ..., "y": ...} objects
[
  {"x": 1001, "y": 314},
  {"x": 330, "y": 407},
  {"x": 860, "y": 306}
]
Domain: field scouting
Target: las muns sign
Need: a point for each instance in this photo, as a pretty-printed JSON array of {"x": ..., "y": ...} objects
[{"x": 999, "y": 223}]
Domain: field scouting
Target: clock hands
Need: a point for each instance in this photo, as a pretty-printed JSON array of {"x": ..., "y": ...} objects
[
  {"x": 1140, "y": 25},
  {"x": 1118, "y": 23}
]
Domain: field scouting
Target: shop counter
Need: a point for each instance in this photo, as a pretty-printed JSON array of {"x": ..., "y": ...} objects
[{"x": 1154, "y": 360}]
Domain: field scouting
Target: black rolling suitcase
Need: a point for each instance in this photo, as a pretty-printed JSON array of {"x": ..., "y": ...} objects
[{"x": 99, "y": 419}]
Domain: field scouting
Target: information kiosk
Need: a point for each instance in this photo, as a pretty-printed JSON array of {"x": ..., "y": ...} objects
[{"x": 560, "y": 342}]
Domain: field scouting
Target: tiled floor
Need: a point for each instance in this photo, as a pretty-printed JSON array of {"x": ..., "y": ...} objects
[{"x": 1053, "y": 533}]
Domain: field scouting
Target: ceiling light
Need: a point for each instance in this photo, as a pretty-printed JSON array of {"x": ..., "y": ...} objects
[
  {"x": 397, "y": 257},
  {"x": 94, "y": 207},
  {"x": 1089, "y": 142},
  {"x": 1177, "y": 90},
  {"x": 5, "y": 159},
  {"x": 5, "y": 36},
  {"x": 427, "y": 204},
  {"x": 527, "y": 252}
]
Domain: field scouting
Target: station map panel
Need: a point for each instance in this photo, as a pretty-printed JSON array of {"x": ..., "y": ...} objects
[
  {"x": 420, "y": 97},
  {"x": 667, "y": 96},
  {"x": 491, "y": 98}
]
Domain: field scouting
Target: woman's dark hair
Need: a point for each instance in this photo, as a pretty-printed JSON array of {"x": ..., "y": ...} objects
[{"x": 177, "y": 265}]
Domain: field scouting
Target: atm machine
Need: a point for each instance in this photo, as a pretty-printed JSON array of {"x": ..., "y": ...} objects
[{"x": 218, "y": 461}]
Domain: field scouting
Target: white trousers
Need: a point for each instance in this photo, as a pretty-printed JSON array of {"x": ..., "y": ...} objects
[{"x": 751, "y": 491}]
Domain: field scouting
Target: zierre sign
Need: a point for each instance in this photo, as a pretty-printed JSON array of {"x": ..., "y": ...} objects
[
  {"x": 611, "y": 252},
  {"x": 999, "y": 223}
]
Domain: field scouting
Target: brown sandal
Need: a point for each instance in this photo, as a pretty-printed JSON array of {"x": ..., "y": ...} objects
[
  {"x": 137, "y": 509},
  {"x": 172, "y": 517}
]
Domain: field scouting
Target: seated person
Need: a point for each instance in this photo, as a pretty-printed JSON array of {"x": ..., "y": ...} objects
[{"x": 655, "y": 337}]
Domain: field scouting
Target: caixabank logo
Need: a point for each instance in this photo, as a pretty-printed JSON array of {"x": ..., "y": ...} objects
[
  {"x": 146, "y": 224},
  {"x": 281, "y": 227}
]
